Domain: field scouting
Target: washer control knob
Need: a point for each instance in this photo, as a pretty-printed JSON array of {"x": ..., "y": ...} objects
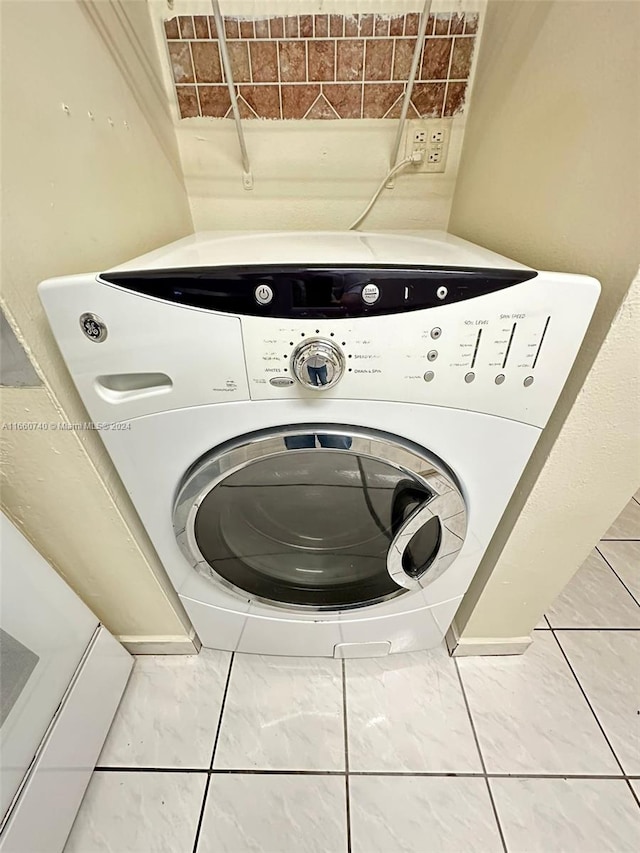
[
  {"x": 263, "y": 294},
  {"x": 370, "y": 293},
  {"x": 528, "y": 381},
  {"x": 436, "y": 332},
  {"x": 317, "y": 364},
  {"x": 441, "y": 292},
  {"x": 432, "y": 355}
]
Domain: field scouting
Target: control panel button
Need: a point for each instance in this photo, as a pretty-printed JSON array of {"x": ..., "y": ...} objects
[
  {"x": 435, "y": 333},
  {"x": 469, "y": 377},
  {"x": 429, "y": 375},
  {"x": 442, "y": 292},
  {"x": 263, "y": 294},
  {"x": 432, "y": 355},
  {"x": 528, "y": 381},
  {"x": 499, "y": 379},
  {"x": 370, "y": 293},
  {"x": 281, "y": 381}
]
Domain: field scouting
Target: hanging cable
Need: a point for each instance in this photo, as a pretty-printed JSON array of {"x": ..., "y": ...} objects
[{"x": 415, "y": 158}]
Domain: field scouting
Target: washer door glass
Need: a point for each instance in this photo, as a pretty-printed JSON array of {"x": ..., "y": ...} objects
[{"x": 312, "y": 524}]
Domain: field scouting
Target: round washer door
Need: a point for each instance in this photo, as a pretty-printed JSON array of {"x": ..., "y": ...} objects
[{"x": 320, "y": 517}]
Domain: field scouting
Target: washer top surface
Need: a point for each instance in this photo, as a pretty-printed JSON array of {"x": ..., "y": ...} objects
[{"x": 220, "y": 248}]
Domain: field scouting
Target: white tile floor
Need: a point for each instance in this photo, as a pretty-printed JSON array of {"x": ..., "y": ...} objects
[{"x": 229, "y": 753}]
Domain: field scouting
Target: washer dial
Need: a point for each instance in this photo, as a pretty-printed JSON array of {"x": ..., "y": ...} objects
[{"x": 317, "y": 364}]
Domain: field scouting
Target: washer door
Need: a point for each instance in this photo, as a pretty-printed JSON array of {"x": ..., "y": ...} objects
[{"x": 320, "y": 517}]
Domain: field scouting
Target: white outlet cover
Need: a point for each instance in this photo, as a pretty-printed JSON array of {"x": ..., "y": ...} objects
[{"x": 414, "y": 142}]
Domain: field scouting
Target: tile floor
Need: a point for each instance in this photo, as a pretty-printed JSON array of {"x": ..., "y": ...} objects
[{"x": 226, "y": 753}]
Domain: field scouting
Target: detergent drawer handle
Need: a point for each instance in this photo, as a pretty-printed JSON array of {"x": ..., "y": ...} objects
[{"x": 448, "y": 512}]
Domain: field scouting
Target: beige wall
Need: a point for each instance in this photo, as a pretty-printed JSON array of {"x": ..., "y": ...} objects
[
  {"x": 307, "y": 174},
  {"x": 81, "y": 192},
  {"x": 550, "y": 176}
]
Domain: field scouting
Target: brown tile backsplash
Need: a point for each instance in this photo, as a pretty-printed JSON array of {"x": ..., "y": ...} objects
[
  {"x": 201, "y": 26},
  {"x": 214, "y": 101},
  {"x": 263, "y": 100},
  {"x": 186, "y": 27},
  {"x": 322, "y": 66},
  {"x": 435, "y": 59},
  {"x": 206, "y": 61},
  {"x": 461, "y": 59},
  {"x": 239, "y": 58},
  {"x": 298, "y": 100},
  {"x": 180, "y": 56},
  {"x": 345, "y": 100},
  {"x": 349, "y": 59},
  {"x": 321, "y": 26},
  {"x": 403, "y": 55},
  {"x": 454, "y": 102},
  {"x": 171, "y": 29},
  {"x": 380, "y": 97},
  {"x": 321, "y": 60},
  {"x": 262, "y": 29},
  {"x": 378, "y": 58},
  {"x": 306, "y": 26},
  {"x": 293, "y": 61},
  {"x": 188, "y": 101},
  {"x": 264, "y": 61},
  {"x": 429, "y": 98}
]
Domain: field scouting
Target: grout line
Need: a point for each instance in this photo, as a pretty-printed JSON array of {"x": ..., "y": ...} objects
[
  {"x": 588, "y": 628},
  {"x": 205, "y": 795},
  {"x": 116, "y": 769},
  {"x": 328, "y": 38},
  {"x": 442, "y": 115},
  {"x": 346, "y": 754},
  {"x": 633, "y": 791},
  {"x": 625, "y": 539},
  {"x": 432, "y": 774},
  {"x": 250, "y": 63},
  {"x": 195, "y": 82},
  {"x": 586, "y": 698},
  {"x": 617, "y": 575},
  {"x": 222, "y": 707},
  {"x": 483, "y": 765},
  {"x": 213, "y": 753},
  {"x": 279, "y": 80},
  {"x": 345, "y": 83}
]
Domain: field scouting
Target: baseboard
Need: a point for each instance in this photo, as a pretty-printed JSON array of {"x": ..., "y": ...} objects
[
  {"x": 161, "y": 644},
  {"x": 468, "y": 647}
]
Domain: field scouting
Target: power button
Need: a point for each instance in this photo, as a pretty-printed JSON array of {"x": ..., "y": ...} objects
[{"x": 263, "y": 294}]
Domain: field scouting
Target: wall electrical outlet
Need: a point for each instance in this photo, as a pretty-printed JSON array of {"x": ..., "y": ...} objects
[{"x": 429, "y": 137}]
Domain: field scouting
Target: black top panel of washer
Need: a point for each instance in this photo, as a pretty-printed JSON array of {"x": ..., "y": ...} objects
[{"x": 317, "y": 292}]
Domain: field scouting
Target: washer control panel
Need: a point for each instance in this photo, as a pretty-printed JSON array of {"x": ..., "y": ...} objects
[{"x": 503, "y": 353}]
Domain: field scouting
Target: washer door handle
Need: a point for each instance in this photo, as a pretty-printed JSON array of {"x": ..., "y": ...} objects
[{"x": 449, "y": 510}]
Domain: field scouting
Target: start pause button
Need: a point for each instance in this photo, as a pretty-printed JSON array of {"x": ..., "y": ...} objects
[{"x": 370, "y": 293}]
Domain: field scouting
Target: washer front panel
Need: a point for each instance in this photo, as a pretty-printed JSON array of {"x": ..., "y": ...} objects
[
  {"x": 454, "y": 355},
  {"x": 320, "y": 517}
]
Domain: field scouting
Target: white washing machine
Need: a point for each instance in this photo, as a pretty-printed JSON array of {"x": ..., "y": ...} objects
[{"x": 320, "y": 431}]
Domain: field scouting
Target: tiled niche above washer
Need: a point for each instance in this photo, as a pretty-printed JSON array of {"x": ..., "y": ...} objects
[{"x": 322, "y": 66}]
